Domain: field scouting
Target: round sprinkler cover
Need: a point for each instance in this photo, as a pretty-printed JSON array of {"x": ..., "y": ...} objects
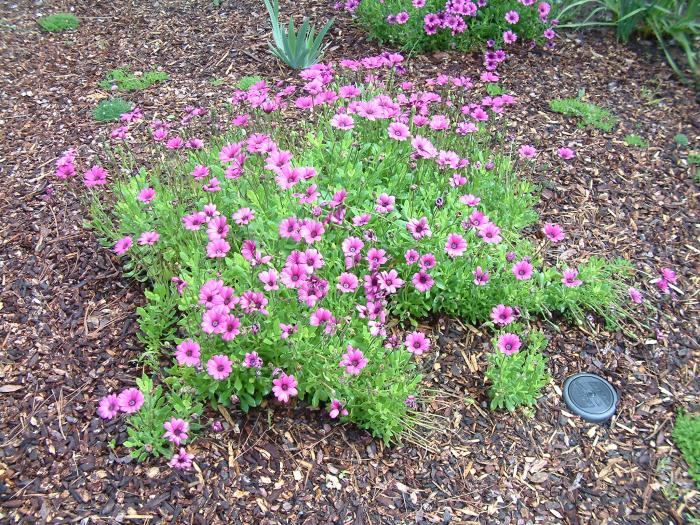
[{"x": 591, "y": 397}]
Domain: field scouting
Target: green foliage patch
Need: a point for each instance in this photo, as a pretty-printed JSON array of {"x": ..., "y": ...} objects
[
  {"x": 111, "y": 109},
  {"x": 686, "y": 435},
  {"x": 59, "y": 22},
  {"x": 126, "y": 81},
  {"x": 588, "y": 114},
  {"x": 636, "y": 140}
]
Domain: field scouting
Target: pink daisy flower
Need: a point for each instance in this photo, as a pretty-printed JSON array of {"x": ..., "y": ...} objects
[
  {"x": 252, "y": 360},
  {"x": 422, "y": 281},
  {"x": 269, "y": 279},
  {"x": 194, "y": 221},
  {"x": 214, "y": 318},
  {"x": 456, "y": 245},
  {"x": 423, "y": 147},
  {"x": 343, "y": 122},
  {"x": 385, "y": 203},
  {"x": 570, "y": 278},
  {"x": 353, "y": 360},
  {"x": 502, "y": 314},
  {"x": 566, "y": 153},
  {"x": 312, "y": 231},
  {"x": 187, "y": 353},
  {"x": 417, "y": 343},
  {"x": 230, "y": 328},
  {"x": 148, "y": 238},
  {"x": 244, "y": 216},
  {"x": 398, "y": 131},
  {"x": 217, "y": 228},
  {"x": 527, "y": 151},
  {"x": 294, "y": 275},
  {"x": 635, "y": 295},
  {"x": 175, "y": 143},
  {"x": 389, "y": 281},
  {"x": 411, "y": 256},
  {"x": 477, "y": 219},
  {"x": 509, "y": 343},
  {"x": 419, "y": 228},
  {"x": 230, "y": 151},
  {"x": 200, "y": 172},
  {"x": 95, "y": 176},
  {"x": 160, "y": 134},
  {"x": 284, "y": 387},
  {"x": 481, "y": 277},
  {"x": 428, "y": 261},
  {"x": 218, "y": 249},
  {"x": 509, "y": 37},
  {"x": 347, "y": 282},
  {"x": 176, "y": 430},
  {"x": 553, "y": 232},
  {"x": 376, "y": 257},
  {"x": 219, "y": 367},
  {"x": 130, "y": 400},
  {"x": 662, "y": 284},
  {"x": 123, "y": 245},
  {"x": 147, "y": 195},
  {"x": 181, "y": 460},
  {"x": 522, "y": 270},
  {"x": 512, "y": 17},
  {"x": 323, "y": 317},
  {"x": 337, "y": 409},
  {"x": 490, "y": 233},
  {"x": 109, "y": 407},
  {"x": 668, "y": 275}
]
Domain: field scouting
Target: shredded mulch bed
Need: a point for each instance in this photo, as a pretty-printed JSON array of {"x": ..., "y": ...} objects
[{"x": 68, "y": 325}]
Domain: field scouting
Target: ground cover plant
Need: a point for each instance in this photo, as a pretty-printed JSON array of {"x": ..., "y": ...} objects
[
  {"x": 686, "y": 434},
  {"x": 681, "y": 139},
  {"x": 423, "y": 25},
  {"x": 58, "y": 22},
  {"x": 588, "y": 114},
  {"x": 279, "y": 259},
  {"x": 635, "y": 140},
  {"x": 111, "y": 109},
  {"x": 123, "y": 80}
]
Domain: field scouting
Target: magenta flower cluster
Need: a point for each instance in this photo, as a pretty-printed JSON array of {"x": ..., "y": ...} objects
[{"x": 294, "y": 263}]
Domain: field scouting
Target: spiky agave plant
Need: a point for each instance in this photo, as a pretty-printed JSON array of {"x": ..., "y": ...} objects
[{"x": 298, "y": 49}]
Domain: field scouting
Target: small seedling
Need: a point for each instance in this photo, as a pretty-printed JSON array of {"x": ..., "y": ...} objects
[
  {"x": 217, "y": 81},
  {"x": 58, "y": 22},
  {"x": 651, "y": 96},
  {"x": 126, "y": 81},
  {"x": 589, "y": 114},
  {"x": 694, "y": 159},
  {"x": 494, "y": 89},
  {"x": 686, "y": 436},
  {"x": 110, "y": 110},
  {"x": 636, "y": 140},
  {"x": 681, "y": 139},
  {"x": 246, "y": 82}
]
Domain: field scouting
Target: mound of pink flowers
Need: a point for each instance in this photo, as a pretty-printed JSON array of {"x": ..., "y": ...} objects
[{"x": 279, "y": 253}]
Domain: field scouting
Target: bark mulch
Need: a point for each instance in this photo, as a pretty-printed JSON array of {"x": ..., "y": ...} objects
[{"x": 68, "y": 327}]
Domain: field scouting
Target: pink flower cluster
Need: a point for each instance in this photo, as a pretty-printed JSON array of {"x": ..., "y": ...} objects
[{"x": 128, "y": 401}]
